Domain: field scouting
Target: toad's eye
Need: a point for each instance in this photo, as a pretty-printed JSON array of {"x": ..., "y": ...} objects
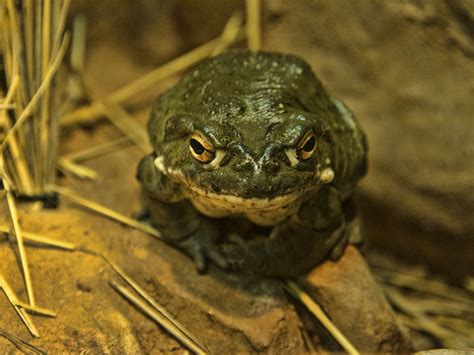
[
  {"x": 306, "y": 146},
  {"x": 304, "y": 150},
  {"x": 201, "y": 148}
]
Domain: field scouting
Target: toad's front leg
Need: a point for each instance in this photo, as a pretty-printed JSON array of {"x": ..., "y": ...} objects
[
  {"x": 297, "y": 245},
  {"x": 176, "y": 218}
]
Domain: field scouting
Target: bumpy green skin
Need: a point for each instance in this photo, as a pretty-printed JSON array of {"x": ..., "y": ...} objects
[{"x": 253, "y": 106}]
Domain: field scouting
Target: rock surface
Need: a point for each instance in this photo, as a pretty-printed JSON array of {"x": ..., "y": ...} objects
[{"x": 348, "y": 293}]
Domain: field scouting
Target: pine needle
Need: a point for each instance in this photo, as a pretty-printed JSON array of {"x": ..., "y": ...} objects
[
  {"x": 93, "y": 206},
  {"x": 420, "y": 320},
  {"x": 17, "y": 157},
  {"x": 78, "y": 50},
  {"x": 308, "y": 342},
  {"x": 21, "y": 247},
  {"x": 127, "y": 124},
  {"x": 39, "y": 93},
  {"x": 98, "y": 150},
  {"x": 425, "y": 285},
  {"x": 36, "y": 310},
  {"x": 38, "y": 239},
  {"x": 229, "y": 34},
  {"x": 294, "y": 290},
  {"x": 11, "y": 297},
  {"x": 253, "y": 25},
  {"x": 159, "y": 318},
  {"x": 77, "y": 170},
  {"x": 21, "y": 343}
]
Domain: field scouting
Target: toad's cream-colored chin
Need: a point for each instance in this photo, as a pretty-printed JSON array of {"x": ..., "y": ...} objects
[{"x": 261, "y": 211}]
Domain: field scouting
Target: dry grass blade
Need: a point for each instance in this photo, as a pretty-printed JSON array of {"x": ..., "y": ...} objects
[
  {"x": 459, "y": 325},
  {"x": 106, "y": 211},
  {"x": 433, "y": 307},
  {"x": 422, "y": 322},
  {"x": 11, "y": 297},
  {"x": 39, "y": 93},
  {"x": 78, "y": 50},
  {"x": 21, "y": 343},
  {"x": 425, "y": 285},
  {"x": 31, "y": 54},
  {"x": 127, "y": 124},
  {"x": 145, "y": 82},
  {"x": 253, "y": 25},
  {"x": 160, "y": 319},
  {"x": 24, "y": 181},
  {"x": 151, "y": 301},
  {"x": 293, "y": 288},
  {"x": 38, "y": 239},
  {"x": 98, "y": 150},
  {"x": 36, "y": 310},
  {"x": 308, "y": 342},
  {"x": 77, "y": 170},
  {"x": 229, "y": 34},
  {"x": 21, "y": 247}
]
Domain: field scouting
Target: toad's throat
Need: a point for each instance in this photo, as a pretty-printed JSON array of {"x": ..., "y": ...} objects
[{"x": 262, "y": 211}]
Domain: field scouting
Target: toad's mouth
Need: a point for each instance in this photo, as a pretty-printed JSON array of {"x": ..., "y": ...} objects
[
  {"x": 259, "y": 191},
  {"x": 261, "y": 211},
  {"x": 244, "y": 203}
]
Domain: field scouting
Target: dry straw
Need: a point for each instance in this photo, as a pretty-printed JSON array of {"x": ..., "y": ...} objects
[
  {"x": 254, "y": 35},
  {"x": 21, "y": 344},
  {"x": 429, "y": 306},
  {"x": 33, "y": 46},
  {"x": 11, "y": 297},
  {"x": 34, "y": 238}
]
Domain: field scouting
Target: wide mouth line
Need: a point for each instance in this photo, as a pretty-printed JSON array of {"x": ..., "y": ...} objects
[{"x": 224, "y": 194}]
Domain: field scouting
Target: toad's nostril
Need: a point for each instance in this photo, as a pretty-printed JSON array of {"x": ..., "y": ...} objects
[
  {"x": 245, "y": 165},
  {"x": 271, "y": 166}
]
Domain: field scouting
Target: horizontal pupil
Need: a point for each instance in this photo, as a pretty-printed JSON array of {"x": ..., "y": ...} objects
[
  {"x": 309, "y": 145},
  {"x": 197, "y": 147}
]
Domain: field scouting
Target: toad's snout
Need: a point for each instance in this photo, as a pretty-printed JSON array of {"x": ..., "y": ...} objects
[{"x": 267, "y": 161}]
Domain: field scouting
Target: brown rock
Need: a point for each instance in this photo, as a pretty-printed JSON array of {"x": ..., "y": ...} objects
[{"x": 350, "y": 296}]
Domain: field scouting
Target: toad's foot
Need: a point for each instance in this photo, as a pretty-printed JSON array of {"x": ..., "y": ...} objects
[
  {"x": 202, "y": 246},
  {"x": 241, "y": 254}
]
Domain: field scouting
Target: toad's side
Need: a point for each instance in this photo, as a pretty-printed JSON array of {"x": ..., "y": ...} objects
[{"x": 253, "y": 137}]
